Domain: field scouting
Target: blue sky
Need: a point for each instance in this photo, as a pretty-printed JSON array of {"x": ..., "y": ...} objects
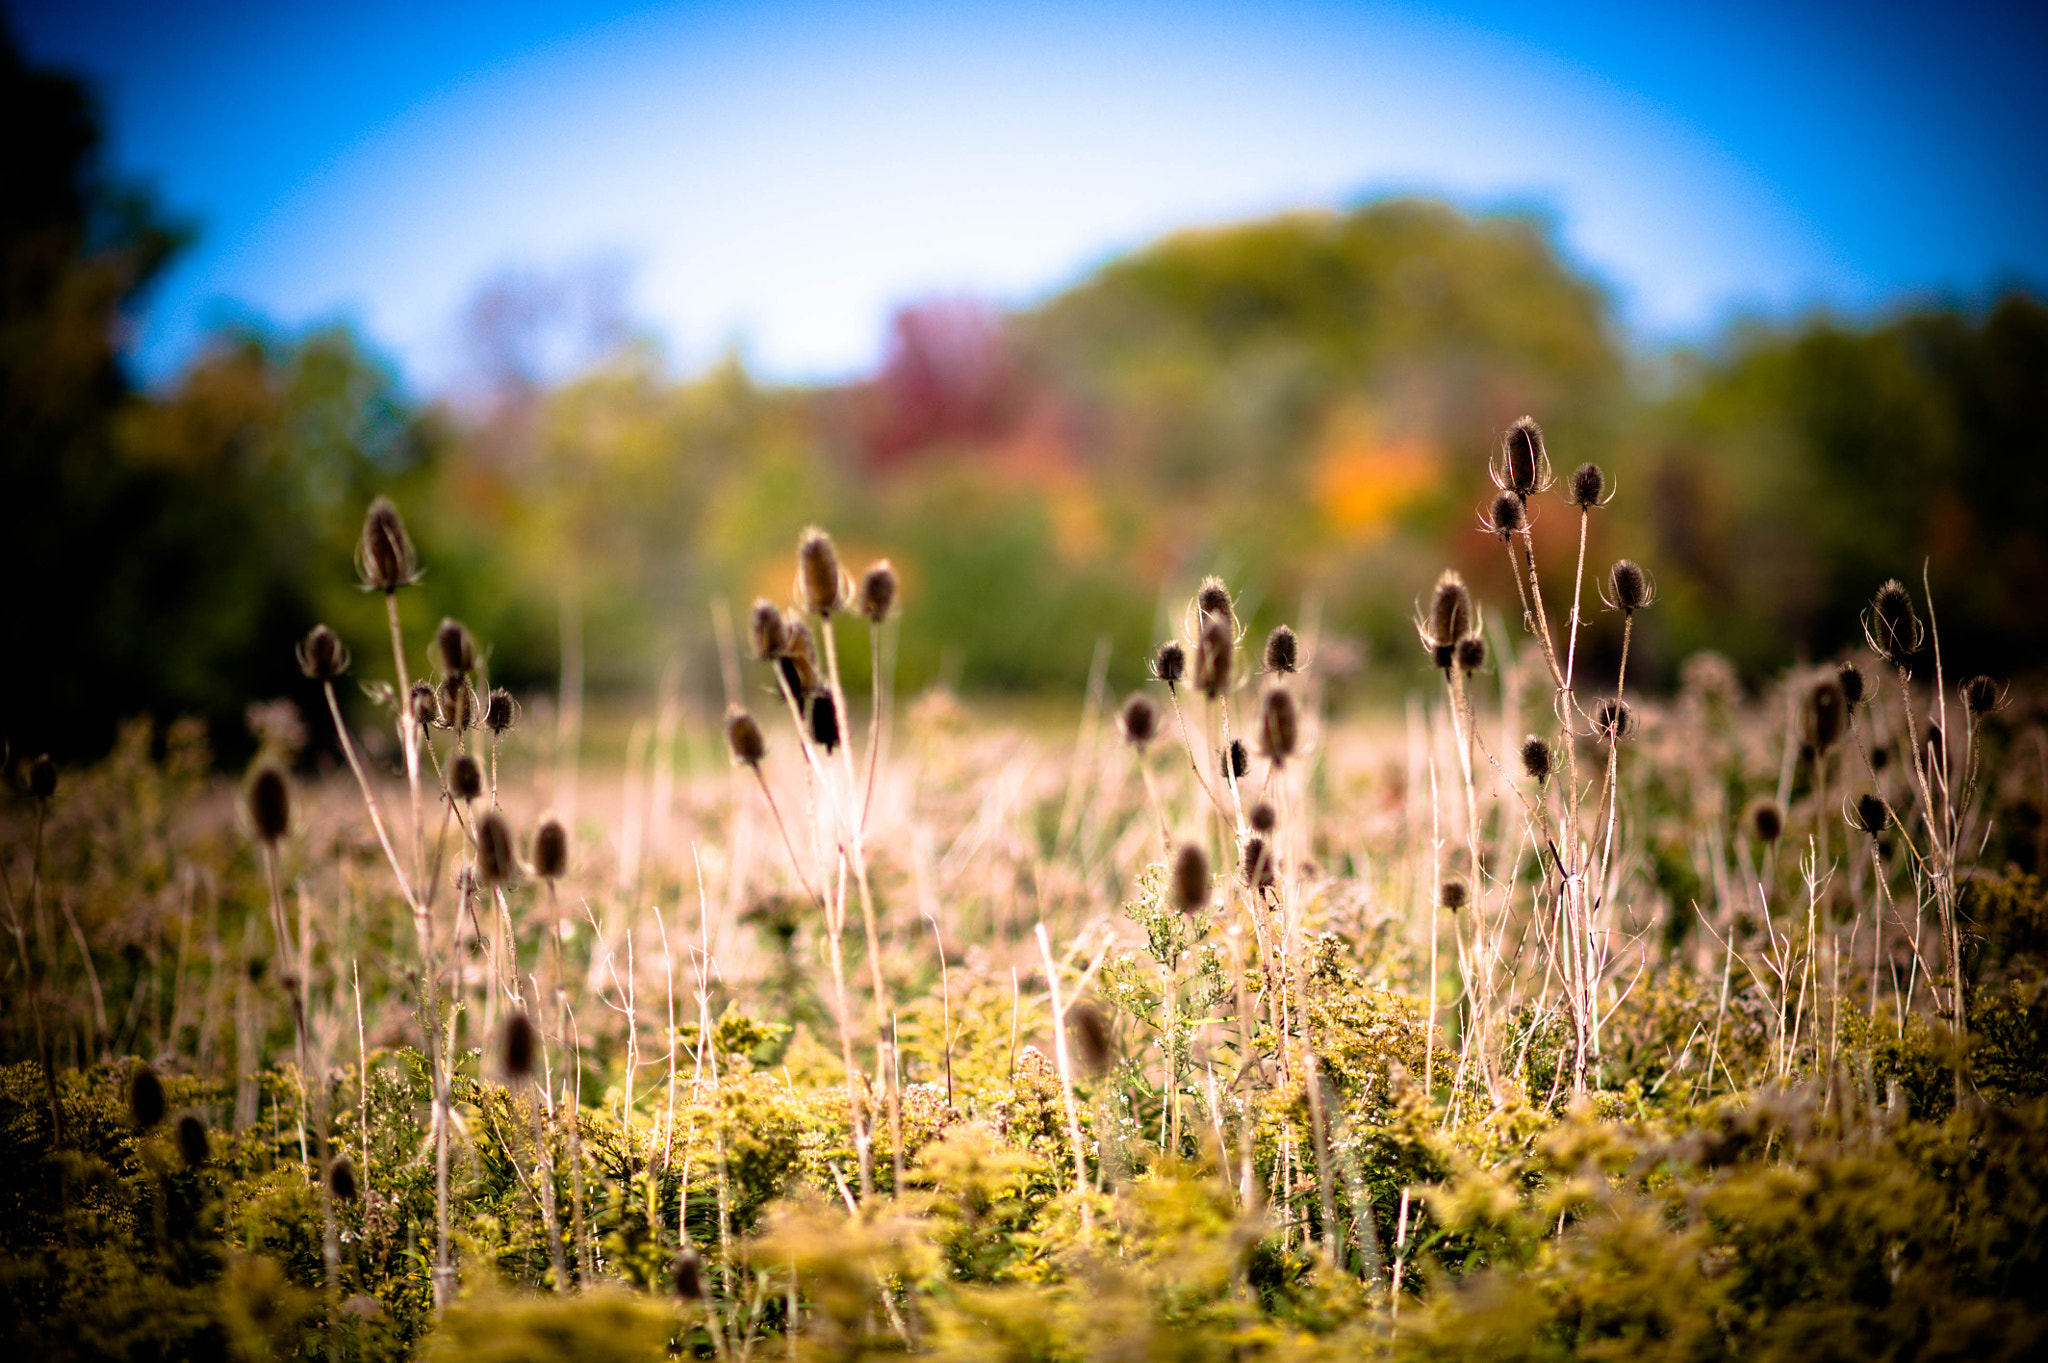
[{"x": 778, "y": 176}]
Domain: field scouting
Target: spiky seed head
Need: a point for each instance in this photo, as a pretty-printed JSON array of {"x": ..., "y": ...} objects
[
  {"x": 1258, "y": 864},
  {"x": 1537, "y": 759},
  {"x": 145, "y": 1099},
  {"x": 466, "y": 778},
  {"x": 1212, "y": 602},
  {"x": 1279, "y": 725},
  {"x": 1588, "y": 486},
  {"x": 192, "y": 1141},
  {"x": 501, "y": 712},
  {"x": 42, "y": 777},
  {"x": 1454, "y": 893},
  {"x": 766, "y": 634},
  {"x": 341, "y": 1178},
  {"x": 517, "y": 1047},
  {"x": 496, "y": 862},
  {"x": 1471, "y": 654},
  {"x": 454, "y": 648},
  {"x": 1891, "y": 626},
  {"x": 1090, "y": 1033},
  {"x": 270, "y": 803},
  {"x": 1982, "y": 695},
  {"x": 1521, "y": 466},
  {"x": 1850, "y": 678},
  {"x": 424, "y": 704},
  {"x": 1283, "y": 650},
  {"x": 1505, "y": 515},
  {"x": 1826, "y": 713},
  {"x": 385, "y": 560},
  {"x": 322, "y": 655},
  {"x": 743, "y": 738},
  {"x": 1451, "y": 616},
  {"x": 1767, "y": 820},
  {"x": 878, "y": 591},
  {"x": 821, "y": 585},
  {"x": 1264, "y": 818},
  {"x": 1215, "y": 656},
  {"x": 1190, "y": 878},
  {"x": 1236, "y": 761},
  {"x": 686, "y": 1275},
  {"x": 1170, "y": 663},
  {"x": 1614, "y": 720},
  {"x": 550, "y": 849},
  {"x": 1140, "y": 722},
  {"x": 455, "y": 703},
  {"x": 1629, "y": 587},
  {"x": 1871, "y": 814},
  {"x": 824, "y": 721}
]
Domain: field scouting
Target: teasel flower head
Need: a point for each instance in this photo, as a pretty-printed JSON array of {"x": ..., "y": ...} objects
[
  {"x": 1236, "y": 761},
  {"x": 799, "y": 658},
  {"x": 1212, "y": 602},
  {"x": 1140, "y": 722},
  {"x": 1767, "y": 820},
  {"x": 1215, "y": 657},
  {"x": 1283, "y": 650},
  {"x": 1520, "y": 466},
  {"x": 1853, "y": 683},
  {"x": 466, "y": 778},
  {"x": 1259, "y": 871},
  {"x": 454, "y": 648},
  {"x": 1471, "y": 656},
  {"x": 146, "y": 1099},
  {"x": 1981, "y": 695},
  {"x": 496, "y": 862},
  {"x": 1505, "y": 515},
  {"x": 1891, "y": 626},
  {"x": 192, "y": 1142},
  {"x": 1264, "y": 818},
  {"x": 501, "y": 712},
  {"x": 42, "y": 778},
  {"x": 424, "y": 704},
  {"x": 743, "y": 738},
  {"x": 686, "y": 1275},
  {"x": 1629, "y": 587},
  {"x": 341, "y": 1178},
  {"x": 1190, "y": 878},
  {"x": 877, "y": 596},
  {"x": 1614, "y": 720},
  {"x": 455, "y": 703},
  {"x": 270, "y": 803},
  {"x": 1090, "y": 1032},
  {"x": 821, "y": 585},
  {"x": 1454, "y": 893},
  {"x": 823, "y": 720},
  {"x": 767, "y": 635},
  {"x": 385, "y": 560},
  {"x": 517, "y": 1046},
  {"x": 1279, "y": 725},
  {"x": 322, "y": 655},
  {"x": 1870, "y": 814},
  {"x": 1588, "y": 487},
  {"x": 1826, "y": 714},
  {"x": 1538, "y": 761},
  {"x": 1450, "y": 618},
  {"x": 1170, "y": 663},
  {"x": 551, "y": 849}
]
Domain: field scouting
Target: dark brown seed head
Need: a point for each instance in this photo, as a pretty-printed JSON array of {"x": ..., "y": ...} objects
[
  {"x": 1258, "y": 864},
  {"x": 385, "y": 560},
  {"x": 1588, "y": 486},
  {"x": 516, "y": 1047},
  {"x": 1521, "y": 466},
  {"x": 1767, "y": 820},
  {"x": 1891, "y": 626},
  {"x": 1871, "y": 814},
  {"x": 192, "y": 1141},
  {"x": 455, "y": 703},
  {"x": 743, "y": 738},
  {"x": 1451, "y": 616},
  {"x": 1453, "y": 893},
  {"x": 1170, "y": 663},
  {"x": 1090, "y": 1033},
  {"x": 501, "y": 712},
  {"x": 424, "y": 704},
  {"x": 1212, "y": 602},
  {"x": 454, "y": 649},
  {"x": 341, "y": 1178},
  {"x": 1505, "y": 515},
  {"x": 1629, "y": 588},
  {"x": 1850, "y": 678},
  {"x": 145, "y": 1099},
  {"x": 1279, "y": 725},
  {"x": 1264, "y": 818},
  {"x": 42, "y": 777},
  {"x": 466, "y": 778},
  {"x": 766, "y": 633},
  {"x": 496, "y": 863},
  {"x": 550, "y": 849},
  {"x": 270, "y": 803},
  {"x": 1236, "y": 761},
  {"x": 824, "y": 720},
  {"x": 1471, "y": 654},
  {"x": 1981, "y": 695},
  {"x": 322, "y": 655},
  {"x": 686, "y": 1275},
  {"x": 1537, "y": 759},
  {"x": 1614, "y": 720},
  {"x": 1190, "y": 878},
  {"x": 1283, "y": 650},
  {"x": 1215, "y": 655},
  {"x": 820, "y": 584},
  {"x": 1826, "y": 713},
  {"x": 1140, "y": 722},
  {"x": 878, "y": 591}
]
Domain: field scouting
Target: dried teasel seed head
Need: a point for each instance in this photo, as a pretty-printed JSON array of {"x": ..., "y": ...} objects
[
  {"x": 1454, "y": 893},
  {"x": 767, "y": 635},
  {"x": 1825, "y": 715},
  {"x": 1981, "y": 695},
  {"x": 517, "y": 1046},
  {"x": 1190, "y": 878},
  {"x": 821, "y": 586},
  {"x": 1263, "y": 817},
  {"x": 1170, "y": 663},
  {"x": 42, "y": 777},
  {"x": 1236, "y": 761},
  {"x": 1628, "y": 588},
  {"x": 496, "y": 862},
  {"x": 1537, "y": 759},
  {"x": 1471, "y": 654},
  {"x": 424, "y": 704},
  {"x": 1854, "y": 686},
  {"x": 1871, "y": 814},
  {"x": 1450, "y": 617},
  {"x": 1891, "y": 626},
  {"x": 686, "y": 1275},
  {"x": 385, "y": 560},
  {"x": 1767, "y": 820},
  {"x": 799, "y": 658},
  {"x": 1614, "y": 720},
  {"x": 322, "y": 655},
  {"x": 146, "y": 1099},
  {"x": 1212, "y": 602},
  {"x": 1279, "y": 726},
  {"x": 270, "y": 803},
  {"x": 823, "y": 720},
  {"x": 455, "y": 703},
  {"x": 743, "y": 738},
  {"x": 1283, "y": 650},
  {"x": 878, "y": 591},
  {"x": 1090, "y": 1032},
  {"x": 1521, "y": 467},
  {"x": 341, "y": 1178},
  {"x": 1505, "y": 515},
  {"x": 1140, "y": 722},
  {"x": 1258, "y": 864},
  {"x": 501, "y": 712},
  {"x": 454, "y": 648},
  {"x": 466, "y": 778},
  {"x": 1588, "y": 486},
  {"x": 550, "y": 849},
  {"x": 1215, "y": 657},
  {"x": 192, "y": 1142}
]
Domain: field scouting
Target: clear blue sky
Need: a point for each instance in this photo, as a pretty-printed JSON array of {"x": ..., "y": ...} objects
[{"x": 777, "y": 176}]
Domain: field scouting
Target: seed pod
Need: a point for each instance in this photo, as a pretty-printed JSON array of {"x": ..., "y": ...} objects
[
  {"x": 501, "y": 712},
  {"x": 424, "y": 704},
  {"x": 516, "y": 1047},
  {"x": 192, "y": 1141},
  {"x": 1871, "y": 814},
  {"x": 1521, "y": 466},
  {"x": 743, "y": 738},
  {"x": 824, "y": 721},
  {"x": 1190, "y": 878},
  {"x": 1236, "y": 761},
  {"x": 1767, "y": 820},
  {"x": 466, "y": 778},
  {"x": 270, "y": 803},
  {"x": 1453, "y": 893},
  {"x": 1891, "y": 627},
  {"x": 1283, "y": 650},
  {"x": 1451, "y": 617},
  {"x": 686, "y": 1275},
  {"x": 820, "y": 583},
  {"x": 1212, "y": 602},
  {"x": 1258, "y": 864},
  {"x": 145, "y": 1099},
  {"x": 1537, "y": 759},
  {"x": 1629, "y": 588},
  {"x": 1090, "y": 1032},
  {"x": 1505, "y": 515},
  {"x": 1170, "y": 663},
  {"x": 456, "y": 703},
  {"x": 1981, "y": 695},
  {"x": 341, "y": 1178},
  {"x": 1264, "y": 819},
  {"x": 1215, "y": 654},
  {"x": 878, "y": 591},
  {"x": 385, "y": 560},
  {"x": 1471, "y": 655},
  {"x": 1850, "y": 678},
  {"x": 496, "y": 863},
  {"x": 322, "y": 655},
  {"x": 42, "y": 777},
  {"x": 766, "y": 632},
  {"x": 454, "y": 649},
  {"x": 1588, "y": 486},
  {"x": 550, "y": 850},
  {"x": 1279, "y": 726},
  {"x": 1140, "y": 722},
  {"x": 1825, "y": 714},
  {"x": 1614, "y": 720}
]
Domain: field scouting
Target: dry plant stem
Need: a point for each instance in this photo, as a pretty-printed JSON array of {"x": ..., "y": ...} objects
[
  {"x": 867, "y": 801},
  {"x": 1571, "y": 655},
  {"x": 1325, "y": 1188},
  {"x": 1059, "y": 1047},
  {"x": 1436, "y": 852},
  {"x": 1152, "y": 798},
  {"x": 408, "y": 727},
  {"x": 1194, "y": 763}
]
